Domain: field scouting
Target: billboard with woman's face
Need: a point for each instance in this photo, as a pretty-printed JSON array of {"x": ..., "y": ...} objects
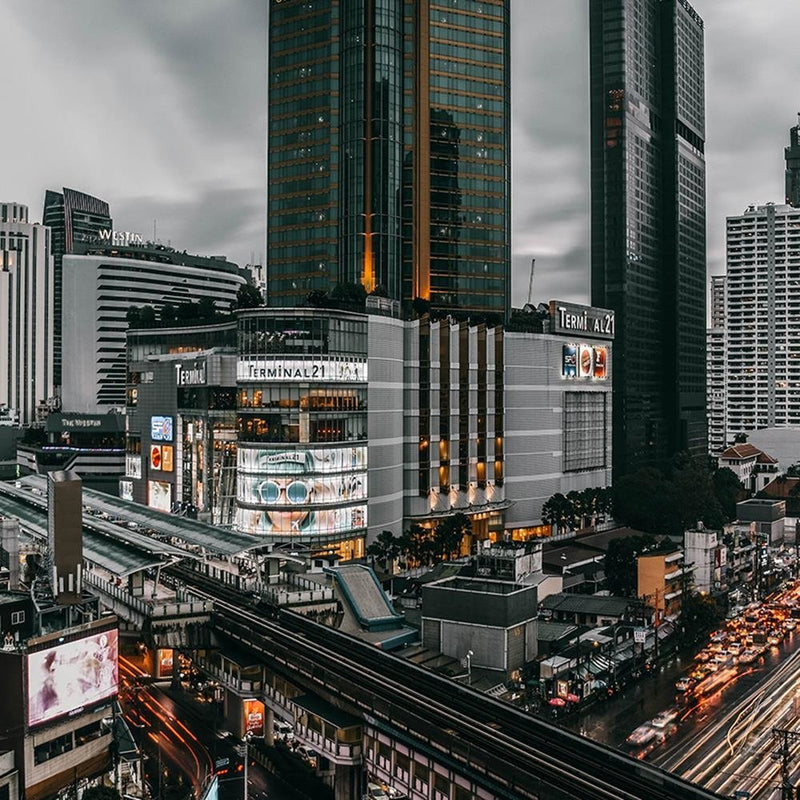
[
  {"x": 301, "y": 492},
  {"x": 71, "y": 676}
]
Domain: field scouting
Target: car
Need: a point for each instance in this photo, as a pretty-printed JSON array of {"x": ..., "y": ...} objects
[
  {"x": 642, "y": 735},
  {"x": 662, "y": 720},
  {"x": 376, "y": 792},
  {"x": 283, "y": 730},
  {"x": 308, "y": 755},
  {"x": 683, "y": 684}
]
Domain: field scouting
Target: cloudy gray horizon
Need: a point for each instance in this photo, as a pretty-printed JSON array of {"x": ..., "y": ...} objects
[{"x": 160, "y": 109}]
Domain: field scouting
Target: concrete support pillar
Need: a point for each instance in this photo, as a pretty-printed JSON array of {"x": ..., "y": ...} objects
[
  {"x": 269, "y": 726},
  {"x": 347, "y": 782}
]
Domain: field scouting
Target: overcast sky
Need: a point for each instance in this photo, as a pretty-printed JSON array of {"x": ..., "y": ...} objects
[{"x": 158, "y": 107}]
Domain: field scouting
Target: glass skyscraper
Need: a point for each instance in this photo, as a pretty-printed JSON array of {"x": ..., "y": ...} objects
[
  {"x": 389, "y": 150},
  {"x": 648, "y": 204},
  {"x": 792, "y": 154}
]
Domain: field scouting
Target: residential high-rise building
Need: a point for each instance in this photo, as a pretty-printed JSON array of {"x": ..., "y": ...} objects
[
  {"x": 648, "y": 221},
  {"x": 26, "y": 313},
  {"x": 72, "y": 217},
  {"x": 762, "y": 320},
  {"x": 715, "y": 368},
  {"x": 792, "y": 154},
  {"x": 389, "y": 150}
]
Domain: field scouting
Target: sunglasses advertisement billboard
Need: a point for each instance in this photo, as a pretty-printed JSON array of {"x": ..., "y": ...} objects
[
  {"x": 302, "y": 521},
  {"x": 71, "y": 676},
  {"x": 300, "y": 490}
]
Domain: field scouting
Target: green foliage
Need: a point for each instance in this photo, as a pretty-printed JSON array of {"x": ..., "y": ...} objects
[
  {"x": 380, "y": 291},
  {"x": 429, "y": 546},
  {"x": 349, "y": 294},
  {"x": 248, "y": 296},
  {"x": 101, "y": 793},
  {"x": 620, "y": 561},
  {"x": 420, "y": 307},
  {"x": 700, "y": 616},
  {"x": 577, "y": 509},
  {"x": 668, "y": 504},
  {"x": 168, "y": 314},
  {"x": 793, "y": 471},
  {"x": 133, "y": 316},
  {"x": 386, "y": 548},
  {"x": 740, "y": 438},
  {"x": 147, "y": 318}
]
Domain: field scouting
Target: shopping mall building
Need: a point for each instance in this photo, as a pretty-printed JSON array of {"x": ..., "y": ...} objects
[{"x": 327, "y": 427}]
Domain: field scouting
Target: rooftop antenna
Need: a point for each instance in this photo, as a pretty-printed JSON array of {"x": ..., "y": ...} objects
[{"x": 530, "y": 282}]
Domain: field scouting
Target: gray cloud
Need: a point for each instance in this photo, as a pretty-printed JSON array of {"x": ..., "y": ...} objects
[{"x": 159, "y": 107}]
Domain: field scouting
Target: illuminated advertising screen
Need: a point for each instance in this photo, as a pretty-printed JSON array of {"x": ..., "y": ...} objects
[
  {"x": 306, "y": 521},
  {"x": 166, "y": 662},
  {"x": 71, "y": 676},
  {"x": 166, "y": 457},
  {"x": 253, "y": 717},
  {"x": 290, "y": 462},
  {"x": 126, "y": 490},
  {"x": 161, "y": 429},
  {"x": 295, "y": 490},
  {"x": 584, "y": 361},
  {"x": 155, "y": 456},
  {"x": 159, "y": 495}
]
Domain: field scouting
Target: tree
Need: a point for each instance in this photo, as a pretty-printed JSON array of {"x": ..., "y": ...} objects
[
  {"x": 205, "y": 308},
  {"x": 420, "y": 306},
  {"x": 101, "y": 793},
  {"x": 728, "y": 491},
  {"x": 147, "y": 318},
  {"x": 793, "y": 471},
  {"x": 415, "y": 543},
  {"x": 740, "y": 438},
  {"x": 168, "y": 314},
  {"x": 700, "y": 615},
  {"x": 349, "y": 294},
  {"x": 559, "y": 511},
  {"x": 385, "y": 548},
  {"x": 317, "y": 298},
  {"x": 620, "y": 561},
  {"x": 248, "y": 296},
  {"x": 187, "y": 312},
  {"x": 379, "y": 291},
  {"x": 449, "y": 534},
  {"x": 133, "y": 316}
]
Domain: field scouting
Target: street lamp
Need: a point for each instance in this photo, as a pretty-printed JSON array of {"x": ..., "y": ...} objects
[{"x": 469, "y": 670}]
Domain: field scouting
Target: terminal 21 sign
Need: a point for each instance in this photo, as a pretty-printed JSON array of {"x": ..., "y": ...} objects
[
  {"x": 302, "y": 370},
  {"x": 570, "y": 318}
]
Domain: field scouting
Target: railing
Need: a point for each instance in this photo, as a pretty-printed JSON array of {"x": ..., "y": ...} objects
[
  {"x": 340, "y": 752},
  {"x": 231, "y": 681},
  {"x": 190, "y": 608},
  {"x": 118, "y": 593},
  {"x": 305, "y": 591}
]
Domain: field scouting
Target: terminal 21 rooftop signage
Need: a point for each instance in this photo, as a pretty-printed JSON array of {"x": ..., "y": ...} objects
[
  {"x": 571, "y": 318},
  {"x": 301, "y": 370}
]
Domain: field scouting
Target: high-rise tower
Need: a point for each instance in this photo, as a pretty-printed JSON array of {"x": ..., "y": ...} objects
[
  {"x": 648, "y": 221},
  {"x": 792, "y": 154},
  {"x": 72, "y": 217},
  {"x": 389, "y": 150}
]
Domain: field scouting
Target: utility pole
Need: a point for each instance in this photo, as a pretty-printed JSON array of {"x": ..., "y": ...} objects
[
  {"x": 785, "y": 738},
  {"x": 244, "y": 752}
]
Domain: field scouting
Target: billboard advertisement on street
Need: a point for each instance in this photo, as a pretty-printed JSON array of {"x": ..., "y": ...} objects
[
  {"x": 159, "y": 495},
  {"x": 72, "y": 676},
  {"x": 254, "y": 717}
]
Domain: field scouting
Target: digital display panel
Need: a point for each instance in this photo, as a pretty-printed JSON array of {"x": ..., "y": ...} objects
[
  {"x": 161, "y": 429},
  {"x": 584, "y": 361},
  {"x": 126, "y": 490},
  {"x": 306, "y": 521},
  {"x": 290, "y": 462},
  {"x": 254, "y": 717},
  {"x": 155, "y": 456},
  {"x": 71, "y": 676},
  {"x": 159, "y": 495},
  {"x": 298, "y": 490}
]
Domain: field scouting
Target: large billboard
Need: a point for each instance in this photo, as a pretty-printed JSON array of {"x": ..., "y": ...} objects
[
  {"x": 296, "y": 490},
  {"x": 292, "y": 462},
  {"x": 72, "y": 676},
  {"x": 584, "y": 361},
  {"x": 161, "y": 429},
  {"x": 302, "y": 521},
  {"x": 253, "y": 717},
  {"x": 159, "y": 495}
]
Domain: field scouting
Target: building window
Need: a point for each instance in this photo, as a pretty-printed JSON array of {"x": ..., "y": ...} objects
[
  {"x": 88, "y": 733},
  {"x": 17, "y": 617},
  {"x": 55, "y": 747},
  {"x": 584, "y": 431}
]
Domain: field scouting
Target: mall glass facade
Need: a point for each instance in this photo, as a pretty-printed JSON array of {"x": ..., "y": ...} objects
[
  {"x": 389, "y": 150},
  {"x": 302, "y": 426}
]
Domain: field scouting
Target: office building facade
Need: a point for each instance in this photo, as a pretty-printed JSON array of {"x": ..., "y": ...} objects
[
  {"x": 792, "y": 154},
  {"x": 648, "y": 236},
  {"x": 100, "y": 284},
  {"x": 26, "y": 314},
  {"x": 762, "y": 320},
  {"x": 73, "y": 217},
  {"x": 389, "y": 151}
]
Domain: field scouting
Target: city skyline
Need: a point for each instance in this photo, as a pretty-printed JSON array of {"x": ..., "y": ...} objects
[{"x": 182, "y": 148}]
